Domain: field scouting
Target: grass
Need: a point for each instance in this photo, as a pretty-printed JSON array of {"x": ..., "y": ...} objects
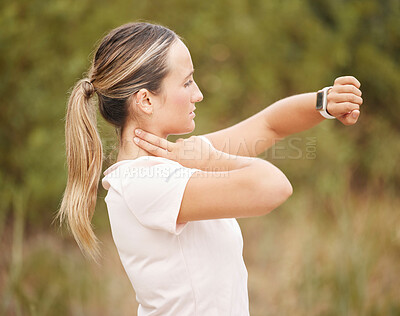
[
  {"x": 310, "y": 260},
  {"x": 336, "y": 256}
]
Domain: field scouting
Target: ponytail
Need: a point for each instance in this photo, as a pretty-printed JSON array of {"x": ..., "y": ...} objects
[
  {"x": 131, "y": 57},
  {"x": 84, "y": 160}
]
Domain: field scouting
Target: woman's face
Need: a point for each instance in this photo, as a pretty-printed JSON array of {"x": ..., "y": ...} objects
[{"x": 179, "y": 94}]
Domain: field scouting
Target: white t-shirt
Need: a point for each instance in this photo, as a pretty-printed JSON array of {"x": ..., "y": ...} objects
[{"x": 195, "y": 268}]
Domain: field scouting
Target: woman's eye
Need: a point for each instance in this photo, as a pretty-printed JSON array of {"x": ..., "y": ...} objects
[{"x": 187, "y": 84}]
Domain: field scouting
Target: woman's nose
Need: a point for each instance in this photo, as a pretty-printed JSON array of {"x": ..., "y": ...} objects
[{"x": 197, "y": 96}]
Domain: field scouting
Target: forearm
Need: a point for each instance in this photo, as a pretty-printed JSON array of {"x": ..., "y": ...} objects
[
  {"x": 257, "y": 172},
  {"x": 292, "y": 114},
  {"x": 262, "y": 130},
  {"x": 222, "y": 161}
]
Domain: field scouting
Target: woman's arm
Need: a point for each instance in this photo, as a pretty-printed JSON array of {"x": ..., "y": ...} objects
[
  {"x": 225, "y": 186},
  {"x": 297, "y": 113},
  {"x": 294, "y": 114}
]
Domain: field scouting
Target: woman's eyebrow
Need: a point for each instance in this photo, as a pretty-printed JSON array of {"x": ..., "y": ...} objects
[{"x": 191, "y": 73}]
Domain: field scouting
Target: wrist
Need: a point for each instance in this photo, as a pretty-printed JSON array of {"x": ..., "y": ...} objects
[{"x": 321, "y": 103}]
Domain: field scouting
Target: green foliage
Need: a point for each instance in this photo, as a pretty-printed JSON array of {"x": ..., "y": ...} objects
[
  {"x": 256, "y": 53},
  {"x": 247, "y": 54}
]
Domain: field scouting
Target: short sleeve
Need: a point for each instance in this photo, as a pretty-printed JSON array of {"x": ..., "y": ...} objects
[{"x": 154, "y": 194}]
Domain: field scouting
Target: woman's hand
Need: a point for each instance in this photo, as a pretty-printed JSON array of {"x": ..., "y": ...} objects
[
  {"x": 192, "y": 152},
  {"x": 344, "y": 100}
]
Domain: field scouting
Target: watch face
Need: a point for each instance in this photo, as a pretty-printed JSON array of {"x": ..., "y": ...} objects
[{"x": 320, "y": 99}]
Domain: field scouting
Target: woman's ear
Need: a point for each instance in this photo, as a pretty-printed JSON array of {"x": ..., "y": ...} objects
[
  {"x": 143, "y": 101},
  {"x": 143, "y": 96}
]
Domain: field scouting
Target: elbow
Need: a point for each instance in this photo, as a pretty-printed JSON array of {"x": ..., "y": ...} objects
[
  {"x": 283, "y": 192},
  {"x": 287, "y": 190},
  {"x": 278, "y": 192}
]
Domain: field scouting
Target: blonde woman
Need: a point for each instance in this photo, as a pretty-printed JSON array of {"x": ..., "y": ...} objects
[{"x": 172, "y": 206}]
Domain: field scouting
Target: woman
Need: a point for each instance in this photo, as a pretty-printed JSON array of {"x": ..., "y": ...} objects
[{"x": 172, "y": 206}]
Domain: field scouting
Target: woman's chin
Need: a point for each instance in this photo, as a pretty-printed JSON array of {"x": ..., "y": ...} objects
[
  {"x": 183, "y": 131},
  {"x": 189, "y": 130}
]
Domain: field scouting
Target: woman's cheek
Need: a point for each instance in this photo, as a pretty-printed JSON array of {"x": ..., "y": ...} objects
[{"x": 183, "y": 97}]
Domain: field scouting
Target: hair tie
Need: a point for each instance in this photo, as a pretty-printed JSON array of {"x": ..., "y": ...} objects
[{"x": 88, "y": 87}]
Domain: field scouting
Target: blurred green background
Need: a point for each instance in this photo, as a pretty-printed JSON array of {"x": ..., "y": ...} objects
[{"x": 332, "y": 249}]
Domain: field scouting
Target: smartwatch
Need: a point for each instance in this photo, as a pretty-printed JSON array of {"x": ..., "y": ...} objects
[{"x": 321, "y": 103}]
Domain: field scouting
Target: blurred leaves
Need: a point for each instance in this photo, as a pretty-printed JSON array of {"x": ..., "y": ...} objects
[
  {"x": 256, "y": 53},
  {"x": 247, "y": 54}
]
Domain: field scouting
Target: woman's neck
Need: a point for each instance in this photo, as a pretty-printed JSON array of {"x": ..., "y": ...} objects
[{"x": 128, "y": 149}]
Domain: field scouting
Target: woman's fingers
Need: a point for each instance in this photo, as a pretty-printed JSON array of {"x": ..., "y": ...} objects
[
  {"x": 345, "y": 80},
  {"x": 150, "y": 148},
  {"x": 152, "y": 139},
  {"x": 350, "y": 118},
  {"x": 338, "y": 109},
  {"x": 152, "y": 143},
  {"x": 345, "y": 107},
  {"x": 345, "y": 97},
  {"x": 344, "y": 100},
  {"x": 347, "y": 88}
]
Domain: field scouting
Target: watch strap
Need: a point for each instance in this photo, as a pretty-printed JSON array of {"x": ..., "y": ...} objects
[{"x": 322, "y": 103}]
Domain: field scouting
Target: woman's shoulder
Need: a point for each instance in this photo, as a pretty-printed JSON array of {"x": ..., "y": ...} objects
[
  {"x": 143, "y": 161},
  {"x": 143, "y": 167}
]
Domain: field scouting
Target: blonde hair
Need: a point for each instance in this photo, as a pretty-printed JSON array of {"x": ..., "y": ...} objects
[{"x": 129, "y": 58}]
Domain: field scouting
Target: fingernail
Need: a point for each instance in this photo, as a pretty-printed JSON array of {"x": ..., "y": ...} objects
[
  {"x": 138, "y": 131},
  {"x": 136, "y": 140},
  {"x": 354, "y": 115}
]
